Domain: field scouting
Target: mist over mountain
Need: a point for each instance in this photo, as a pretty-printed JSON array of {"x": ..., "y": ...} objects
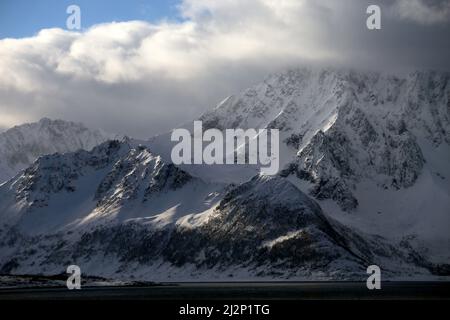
[{"x": 21, "y": 145}]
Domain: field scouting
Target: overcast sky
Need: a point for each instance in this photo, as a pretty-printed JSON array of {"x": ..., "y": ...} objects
[{"x": 162, "y": 66}]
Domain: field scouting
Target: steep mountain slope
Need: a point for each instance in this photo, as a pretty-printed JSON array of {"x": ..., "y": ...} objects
[
  {"x": 373, "y": 149},
  {"x": 21, "y": 145},
  {"x": 120, "y": 212},
  {"x": 112, "y": 183},
  {"x": 365, "y": 180},
  {"x": 347, "y": 125}
]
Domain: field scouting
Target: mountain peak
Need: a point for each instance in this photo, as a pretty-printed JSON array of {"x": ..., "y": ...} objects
[
  {"x": 23, "y": 144},
  {"x": 46, "y": 121},
  {"x": 342, "y": 127}
]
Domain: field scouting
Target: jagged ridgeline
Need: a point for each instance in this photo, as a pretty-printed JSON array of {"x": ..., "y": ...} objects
[
  {"x": 364, "y": 180},
  {"x": 21, "y": 145}
]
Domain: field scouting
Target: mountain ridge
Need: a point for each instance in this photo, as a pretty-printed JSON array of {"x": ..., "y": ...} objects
[
  {"x": 349, "y": 138},
  {"x": 21, "y": 145},
  {"x": 364, "y": 181}
]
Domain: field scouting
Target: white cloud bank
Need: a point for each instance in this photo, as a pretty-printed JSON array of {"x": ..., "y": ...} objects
[{"x": 139, "y": 78}]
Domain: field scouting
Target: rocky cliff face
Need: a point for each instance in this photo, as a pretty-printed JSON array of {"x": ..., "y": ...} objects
[{"x": 343, "y": 127}]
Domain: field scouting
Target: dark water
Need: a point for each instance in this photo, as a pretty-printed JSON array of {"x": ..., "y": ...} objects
[{"x": 240, "y": 291}]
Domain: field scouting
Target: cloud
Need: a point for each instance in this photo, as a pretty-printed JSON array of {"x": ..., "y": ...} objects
[
  {"x": 139, "y": 78},
  {"x": 422, "y": 11}
]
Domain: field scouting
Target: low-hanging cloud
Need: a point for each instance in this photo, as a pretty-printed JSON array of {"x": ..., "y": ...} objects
[
  {"x": 427, "y": 12},
  {"x": 139, "y": 78}
]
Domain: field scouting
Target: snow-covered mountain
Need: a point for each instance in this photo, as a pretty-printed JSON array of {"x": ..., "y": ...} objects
[
  {"x": 120, "y": 211},
  {"x": 113, "y": 182},
  {"x": 21, "y": 145},
  {"x": 372, "y": 149},
  {"x": 365, "y": 180},
  {"x": 347, "y": 124}
]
